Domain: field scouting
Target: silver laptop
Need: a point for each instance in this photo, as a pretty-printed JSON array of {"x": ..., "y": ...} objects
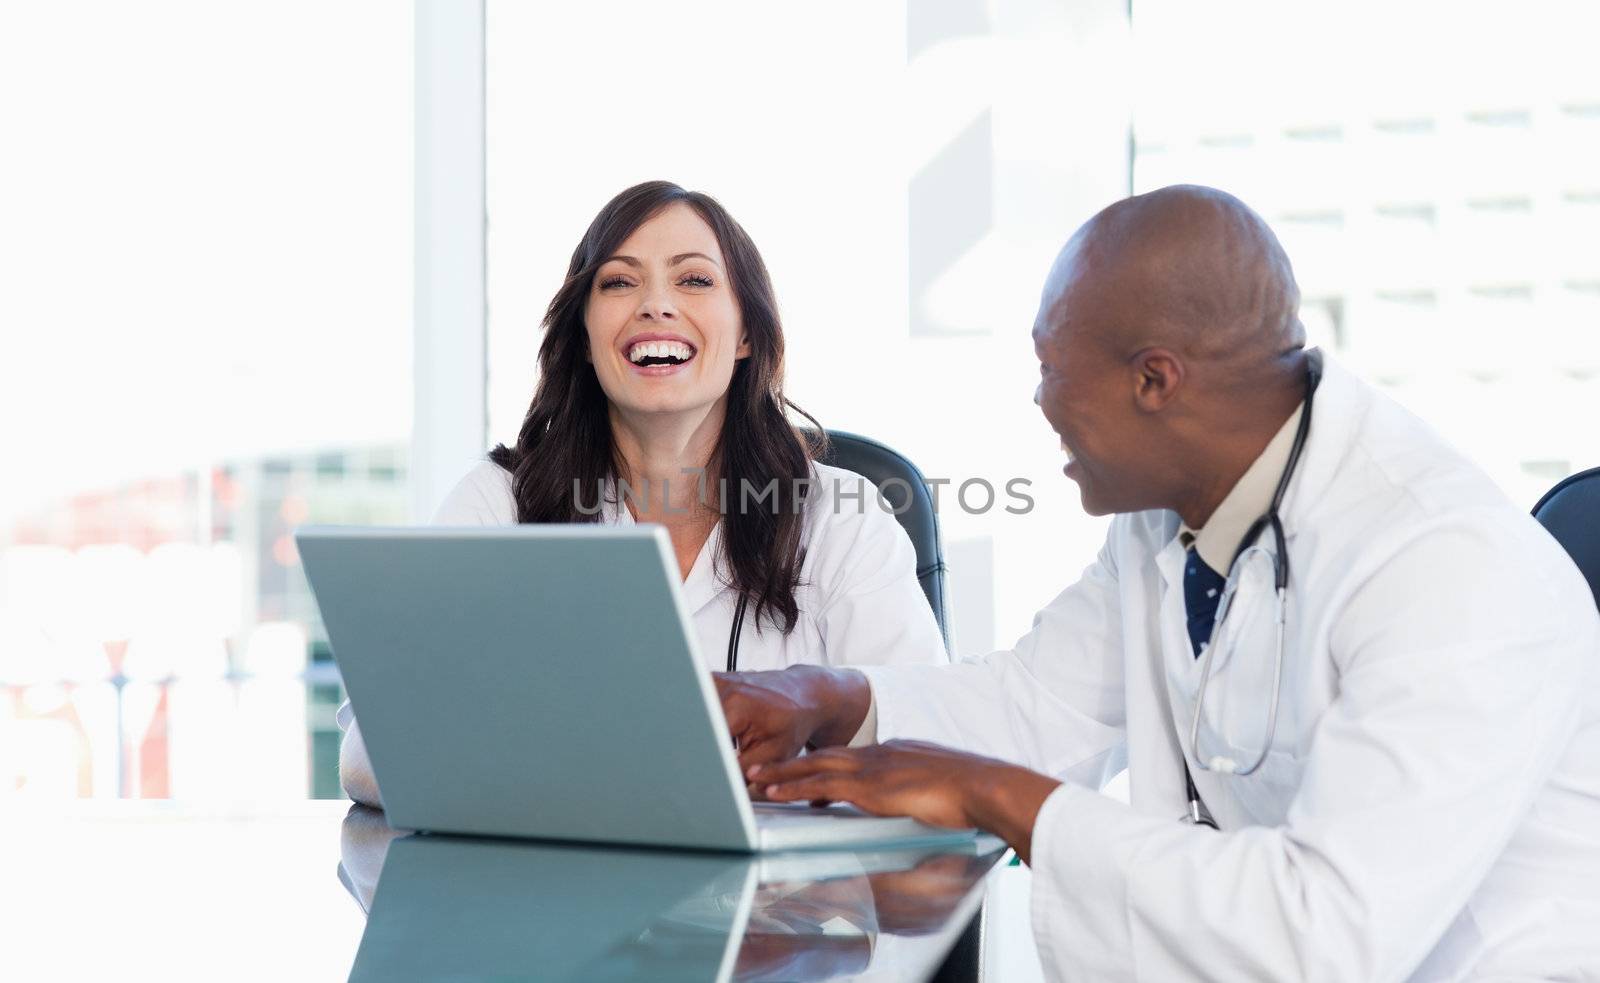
[{"x": 542, "y": 681}]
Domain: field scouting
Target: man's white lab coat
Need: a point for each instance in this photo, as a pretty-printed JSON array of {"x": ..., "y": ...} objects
[{"x": 1430, "y": 806}]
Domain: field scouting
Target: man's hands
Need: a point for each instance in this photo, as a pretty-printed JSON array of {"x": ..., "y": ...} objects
[
  {"x": 772, "y": 715},
  {"x": 924, "y": 781}
]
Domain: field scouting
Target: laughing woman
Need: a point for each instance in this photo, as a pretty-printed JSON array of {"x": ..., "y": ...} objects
[{"x": 662, "y": 362}]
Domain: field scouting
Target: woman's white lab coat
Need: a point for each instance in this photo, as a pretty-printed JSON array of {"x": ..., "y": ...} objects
[
  {"x": 860, "y": 601},
  {"x": 1430, "y": 807}
]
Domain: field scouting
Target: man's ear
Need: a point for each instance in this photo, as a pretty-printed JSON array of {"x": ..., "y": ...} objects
[{"x": 1158, "y": 375}]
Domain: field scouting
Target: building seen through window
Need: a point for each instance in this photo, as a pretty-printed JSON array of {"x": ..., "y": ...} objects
[
  {"x": 1433, "y": 170},
  {"x": 204, "y": 669}
]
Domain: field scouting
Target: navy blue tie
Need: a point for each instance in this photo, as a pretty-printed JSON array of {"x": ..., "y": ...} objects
[{"x": 1202, "y": 590}]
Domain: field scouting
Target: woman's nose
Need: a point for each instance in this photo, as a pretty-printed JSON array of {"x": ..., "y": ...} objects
[{"x": 656, "y": 309}]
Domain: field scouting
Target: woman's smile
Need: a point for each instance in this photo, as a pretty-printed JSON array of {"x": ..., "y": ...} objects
[{"x": 656, "y": 353}]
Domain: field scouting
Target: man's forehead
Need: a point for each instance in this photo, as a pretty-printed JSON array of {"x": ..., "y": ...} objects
[
  {"x": 1056, "y": 338},
  {"x": 1059, "y": 308}
]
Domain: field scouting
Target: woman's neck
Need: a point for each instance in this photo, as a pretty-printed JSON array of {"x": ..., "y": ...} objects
[{"x": 666, "y": 462}]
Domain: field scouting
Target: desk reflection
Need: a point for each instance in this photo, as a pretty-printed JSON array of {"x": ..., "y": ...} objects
[{"x": 442, "y": 907}]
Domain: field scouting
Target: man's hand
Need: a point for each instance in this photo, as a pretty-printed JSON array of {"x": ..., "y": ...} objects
[
  {"x": 939, "y": 786},
  {"x": 772, "y": 715}
]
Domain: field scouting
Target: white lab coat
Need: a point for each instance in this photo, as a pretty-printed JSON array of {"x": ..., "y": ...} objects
[
  {"x": 1430, "y": 808},
  {"x": 859, "y": 599}
]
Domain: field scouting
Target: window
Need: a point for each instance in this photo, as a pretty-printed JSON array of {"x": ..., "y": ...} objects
[
  {"x": 207, "y": 342},
  {"x": 1462, "y": 276},
  {"x": 891, "y": 163}
]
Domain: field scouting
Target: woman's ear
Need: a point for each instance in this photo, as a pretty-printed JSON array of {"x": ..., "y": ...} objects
[{"x": 744, "y": 347}]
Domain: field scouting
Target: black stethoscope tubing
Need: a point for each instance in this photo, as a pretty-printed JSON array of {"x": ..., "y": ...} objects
[
  {"x": 1280, "y": 559},
  {"x": 733, "y": 633}
]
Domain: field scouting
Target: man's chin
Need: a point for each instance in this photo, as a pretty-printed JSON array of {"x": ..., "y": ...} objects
[
  {"x": 1093, "y": 507},
  {"x": 1092, "y": 503}
]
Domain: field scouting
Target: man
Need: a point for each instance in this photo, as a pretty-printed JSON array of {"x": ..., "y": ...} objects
[{"x": 1418, "y": 795}]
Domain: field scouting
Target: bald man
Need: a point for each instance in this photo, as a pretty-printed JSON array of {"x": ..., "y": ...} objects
[{"x": 1400, "y": 779}]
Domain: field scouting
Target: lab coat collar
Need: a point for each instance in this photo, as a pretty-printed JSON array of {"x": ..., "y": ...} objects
[
  {"x": 1337, "y": 413},
  {"x": 706, "y": 581}
]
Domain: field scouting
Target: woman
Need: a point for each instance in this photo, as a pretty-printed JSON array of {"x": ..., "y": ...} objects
[{"x": 660, "y": 399}]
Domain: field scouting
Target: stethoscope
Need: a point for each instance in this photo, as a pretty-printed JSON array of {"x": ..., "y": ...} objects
[
  {"x": 1221, "y": 763},
  {"x": 733, "y": 633},
  {"x": 733, "y": 643}
]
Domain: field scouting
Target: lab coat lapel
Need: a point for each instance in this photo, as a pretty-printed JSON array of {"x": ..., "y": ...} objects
[
  {"x": 707, "y": 578},
  {"x": 1180, "y": 666},
  {"x": 1177, "y": 655},
  {"x": 1180, "y": 669},
  {"x": 1157, "y": 771}
]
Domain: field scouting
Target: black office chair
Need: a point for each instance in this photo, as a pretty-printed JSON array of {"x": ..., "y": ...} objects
[
  {"x": 909, "y": 497},
  {"x": 1571, "y": 512}
]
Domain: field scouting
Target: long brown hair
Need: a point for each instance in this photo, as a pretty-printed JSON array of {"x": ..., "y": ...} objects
[{"x": 566, "y": 444}]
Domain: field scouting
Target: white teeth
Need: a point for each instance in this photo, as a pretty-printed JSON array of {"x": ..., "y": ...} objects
[{"x": 660, "y": 349}]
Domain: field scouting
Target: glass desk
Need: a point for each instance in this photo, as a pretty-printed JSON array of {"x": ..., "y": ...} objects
[{"x": 326, "y": 891}]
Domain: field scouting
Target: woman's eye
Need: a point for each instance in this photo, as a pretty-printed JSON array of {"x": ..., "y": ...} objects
[
  {"x": 695, "y": 280},
  {"x": 613, "y": 282}
]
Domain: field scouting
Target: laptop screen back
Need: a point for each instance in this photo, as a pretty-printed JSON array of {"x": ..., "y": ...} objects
[{"x": 531, "y": 681}]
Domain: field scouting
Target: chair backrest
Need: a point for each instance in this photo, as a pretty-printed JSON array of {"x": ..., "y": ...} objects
[
  {"x": 902, "y": 486},
  {"x": 1571, "y": 511}
]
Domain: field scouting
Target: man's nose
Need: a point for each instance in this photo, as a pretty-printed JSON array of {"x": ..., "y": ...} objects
[{"x": 1036, "y": 391}]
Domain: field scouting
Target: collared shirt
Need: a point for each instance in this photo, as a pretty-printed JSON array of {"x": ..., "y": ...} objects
[{"x": 1246, "y": 502}]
